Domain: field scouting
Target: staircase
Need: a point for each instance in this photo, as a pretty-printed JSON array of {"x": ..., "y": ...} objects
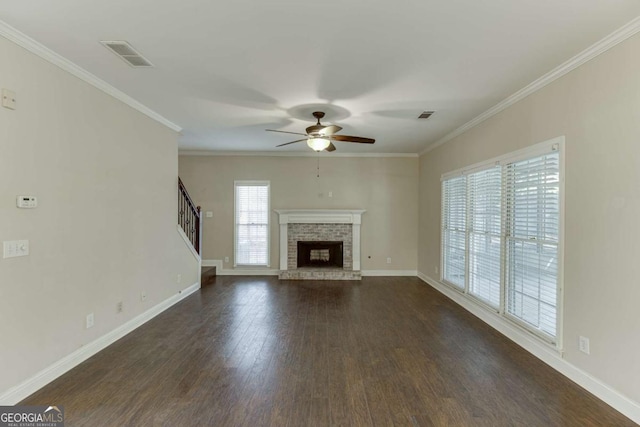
[
  {"x": 190, "y": 219},
  {"x": 208, "y": 276}
]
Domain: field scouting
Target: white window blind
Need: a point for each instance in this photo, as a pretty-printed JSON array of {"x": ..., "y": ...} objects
[
  {"x": 252, "y": 223},
  {"x": 501, "y": 235},
  {"x": 532, "y": 211},
  {"x": 454, "y": 222},
  {"x": 485, "y": 236}
]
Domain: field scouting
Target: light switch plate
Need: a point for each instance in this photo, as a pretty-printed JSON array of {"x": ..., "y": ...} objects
[
  {"x": 15, "y": 248},
  {"x": 8, "y": 99}
]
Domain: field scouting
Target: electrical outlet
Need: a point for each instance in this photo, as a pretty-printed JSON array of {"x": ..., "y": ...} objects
[
  {"x": 330, "y": 193},
  {"x": 179, "y": 278},
  {"x": 388, "y": 260},
  {"x": 119, "y": 307},
  {"x": 584, "y": 345},
  {"x": 8, "y": 99},
  {"x": 143, "y": 296},
  {"x": 226, "y": 259},
  {"x": 90, "y": 320}
]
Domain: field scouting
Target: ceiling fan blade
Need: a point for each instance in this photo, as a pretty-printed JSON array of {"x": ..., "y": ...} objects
[
  {"x": 330, "y": 130},
  {"x": 358, "y": 139},
  {"x": 284, "y": 131},
  {"x": 330, "y": 148},
  {"x": 287, "y": 143}
]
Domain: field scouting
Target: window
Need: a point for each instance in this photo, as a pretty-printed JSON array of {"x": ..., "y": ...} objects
[
  {"x": 501, "y": 235},
  {"x": 485, "y": 237},
  {"x": 533, "y": 222},
  {"x": 252, "y": 223}
]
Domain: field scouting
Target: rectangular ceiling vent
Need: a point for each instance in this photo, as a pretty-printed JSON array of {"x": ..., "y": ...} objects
[
  {"x": 426, "y": 114},
  {"x": 127, "y": 53}
]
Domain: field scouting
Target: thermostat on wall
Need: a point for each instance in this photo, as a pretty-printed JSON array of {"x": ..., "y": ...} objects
[{"x": 27, "y": 202}]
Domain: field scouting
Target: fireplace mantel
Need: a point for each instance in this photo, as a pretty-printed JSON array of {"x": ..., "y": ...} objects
[{"x": 320, "y": 216}]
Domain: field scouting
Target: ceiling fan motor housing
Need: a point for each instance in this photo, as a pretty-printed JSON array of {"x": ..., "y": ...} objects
[{"x": 316, "y": 129}]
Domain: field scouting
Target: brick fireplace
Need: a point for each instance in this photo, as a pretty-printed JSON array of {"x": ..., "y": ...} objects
[{"x": 319, "y": 227}]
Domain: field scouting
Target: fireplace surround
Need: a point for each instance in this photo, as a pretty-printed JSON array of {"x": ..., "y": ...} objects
[{"x": 316, "y": 226}]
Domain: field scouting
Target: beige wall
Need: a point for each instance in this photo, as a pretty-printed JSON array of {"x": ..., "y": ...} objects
[
  {"x": 597, "y": 108},
  {"x": 105, "y": 228},
  {"x": 386, "y": 187}
]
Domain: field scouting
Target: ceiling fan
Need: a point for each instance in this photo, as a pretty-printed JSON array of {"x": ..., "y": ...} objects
[{"x": 319, "y": 137}]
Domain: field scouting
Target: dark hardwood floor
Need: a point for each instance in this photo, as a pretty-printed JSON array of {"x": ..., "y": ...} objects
[{"x": 255, "y": 351}]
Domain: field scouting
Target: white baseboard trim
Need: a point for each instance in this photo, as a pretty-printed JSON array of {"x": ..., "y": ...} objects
[
  {"x": 547, "y": 354},
  {"x": 44, "y": 377},
  {"x": 412, "y": 273},
  {"x": 220, "y": 271},
  {"x": 217, "y": 263}
]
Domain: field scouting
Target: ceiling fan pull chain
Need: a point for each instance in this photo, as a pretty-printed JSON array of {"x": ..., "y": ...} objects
[{"x": 318, "y": 164}]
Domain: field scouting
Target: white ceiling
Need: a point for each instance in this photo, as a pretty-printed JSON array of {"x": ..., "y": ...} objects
[{"x": 227, "y": 70}]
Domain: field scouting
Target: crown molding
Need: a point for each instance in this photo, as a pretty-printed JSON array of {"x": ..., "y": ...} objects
[
  {"x": 47, "y": 54},
  {"x": 288, "y": 154},
  {"x": 586, "y": 55}
]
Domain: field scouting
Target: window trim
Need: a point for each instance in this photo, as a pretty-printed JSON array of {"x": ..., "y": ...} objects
[
  {"x": 554, "y": 144},
  {"x": 242, "y": 183}
]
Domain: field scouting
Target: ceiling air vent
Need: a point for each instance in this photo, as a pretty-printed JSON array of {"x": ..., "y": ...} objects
[
  {"x": 127, "y": 53},
  {"x": 426, "y": 114}
]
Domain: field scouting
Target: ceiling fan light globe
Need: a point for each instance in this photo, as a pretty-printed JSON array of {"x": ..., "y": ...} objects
[{"x": 318, "y": 144}]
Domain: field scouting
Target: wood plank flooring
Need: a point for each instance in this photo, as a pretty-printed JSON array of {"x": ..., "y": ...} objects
[{"x": 256, "y": 351}]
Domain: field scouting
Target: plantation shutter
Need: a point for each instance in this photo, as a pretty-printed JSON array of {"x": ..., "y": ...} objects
[
  {"x": 454, "y": 212},
  {"x": 252, "y": 223},
  {"x": 485, "y": 240},
  {"x": 532, "y": 210}
]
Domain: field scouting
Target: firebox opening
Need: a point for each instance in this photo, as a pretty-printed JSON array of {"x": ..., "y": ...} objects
[{"x": 320, "y": 254}]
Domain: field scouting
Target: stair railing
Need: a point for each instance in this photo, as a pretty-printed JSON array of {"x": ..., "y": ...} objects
[{"x": 189, "y": 216}]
